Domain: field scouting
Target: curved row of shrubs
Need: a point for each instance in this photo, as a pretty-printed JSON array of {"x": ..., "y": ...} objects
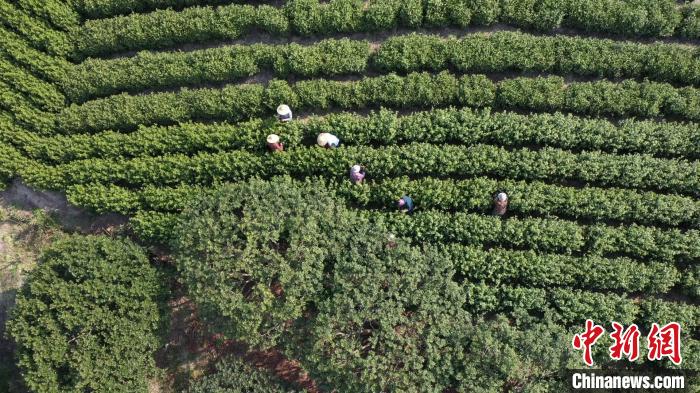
[
  {"x": 385, "y": 127},
  {"x": 167, "y": 28},
  {"x": 479, "y": 52},
  {"x": 526, "y": 198},
  {"x": 416, "y": 90}
]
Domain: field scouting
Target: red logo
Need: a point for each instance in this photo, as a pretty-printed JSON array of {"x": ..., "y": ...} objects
[
  {"x": 662, "y": 342},
  {"x": 626, "y": 342},
  {"x": 665, "y": 342},
  {"x": 586, "y": 340}
]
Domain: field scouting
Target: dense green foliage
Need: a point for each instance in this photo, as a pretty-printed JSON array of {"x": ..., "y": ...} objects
[
  {"x": 415, "y": 90},
  {"x": 38, "y": 93},
  {"x": 165, "y": 28},
  {"x": 87, "y": 318},
  {"x": 526, "y": 198},
  {"x": 542, "y": 235},
  {"x": 603, "y": 220},
  {"x": 36, "y": 31},
  {"x": 634, "y": 171},
  {"x": 234, "y": 375},
  {"x": 399, "y": 325},
  {"x": 498, "y": 52},
  {"x": 97, "y": 77},
  {"x": 96, "y": 9},
  {"x": 238, "y": 249},
  {"x": 256, "y": 255},
  {"x": 399, "y": 318},
  {"x": 453, "y": 126},
  {"x": 60, "y": 14},
  {"x": 40, "y": 64}
]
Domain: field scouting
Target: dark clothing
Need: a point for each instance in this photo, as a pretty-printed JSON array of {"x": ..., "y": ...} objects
[
  {"x": 500, "y": 208},
  {"x": 286, "y": 117}
]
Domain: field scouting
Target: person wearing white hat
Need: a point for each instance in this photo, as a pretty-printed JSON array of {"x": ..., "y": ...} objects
[
  {"x": 327, "y": 140},
  {"x": 500, "y": 204},
  {"x": 357, "y": 174},
  {"x": 274, "y": 144},
  {"x": 284, "y": 113},
  {"x": 391, "y": 241}
]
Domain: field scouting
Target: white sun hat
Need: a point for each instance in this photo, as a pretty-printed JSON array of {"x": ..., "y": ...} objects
[
  {"x": 355, "y": 168},
  {"x": 273, "y": 138},
  {"x": 502, "y": 197},
  {"x": 283, "y": 110},
  {"x": 323, "y": 138}
]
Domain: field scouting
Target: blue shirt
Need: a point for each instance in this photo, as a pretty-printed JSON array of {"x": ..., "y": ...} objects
[{"x": 408, "y": 203}]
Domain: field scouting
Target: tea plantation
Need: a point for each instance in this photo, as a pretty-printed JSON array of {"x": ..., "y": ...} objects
[{"x": 585, "y": 113}]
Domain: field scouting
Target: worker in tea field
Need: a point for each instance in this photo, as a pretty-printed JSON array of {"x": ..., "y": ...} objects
[
  {"x": 500, "y": 204},
  {"x": 329, "y": 141},
  {"x": 284, "y": 113},
  {"x": 274, "y": 144},
  {"x": 391, "y": 241},
  {"x": 357, "y": 174},
  {"x": 406, "y": 204}
]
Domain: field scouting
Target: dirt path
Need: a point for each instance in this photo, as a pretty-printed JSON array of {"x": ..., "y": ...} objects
[{"x": 70, "y": 218}]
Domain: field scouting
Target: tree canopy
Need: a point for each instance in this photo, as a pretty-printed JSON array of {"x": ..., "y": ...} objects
[
  {"x": 393, "y": 321},
  {"x": 86, "y": 319},
  {"x": 234, "y": 375},
  {"x": 253, "y": 254},
  {"x": 286, "y": 263}
]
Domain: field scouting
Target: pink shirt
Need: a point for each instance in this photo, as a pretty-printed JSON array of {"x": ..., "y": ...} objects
[{"x": 357, "y": 177}]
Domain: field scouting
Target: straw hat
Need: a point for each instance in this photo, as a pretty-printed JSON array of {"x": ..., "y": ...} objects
[
  {"x": 502, "y": 197},
  {"x": 323, "y": 138},
  {"x": 355, "y": 169},
  {"x": 283, "y": 110},
  {"x": 272, "y": 138}
]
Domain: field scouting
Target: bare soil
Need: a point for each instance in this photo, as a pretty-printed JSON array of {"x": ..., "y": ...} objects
[{"x": 70, "y": 218}]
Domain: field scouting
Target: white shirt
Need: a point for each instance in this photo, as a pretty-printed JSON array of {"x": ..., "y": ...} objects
[{"x": 333, "y": 140}]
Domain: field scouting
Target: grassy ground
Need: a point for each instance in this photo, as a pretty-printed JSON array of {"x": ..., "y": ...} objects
[{"x": 23, "y": 234}]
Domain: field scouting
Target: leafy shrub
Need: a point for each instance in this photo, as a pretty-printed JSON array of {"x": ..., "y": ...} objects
[
  {"x": 253, "y": 254},
  {"x": 630, "y": 171},
  {"x": 87, "y": 318},
  {"x": 690, "y": 26},
  {"x": 633, "y": 17},
  {"x": 59, "y": 14},
  {"x": 463, "y": 126},
  {"x": 411, "y": 13},
  {"x": 35, "y": 31},
  {"x": 394, "y": 321},
  {"x": 542, "y": 15},
  {"x": 234, "y": 375},
  {"x": 415, "y": 90},
  {"x": 485, "y": 12},
  {"x": 50, "y": 68},
  {"x": 97, "y": 9}
]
